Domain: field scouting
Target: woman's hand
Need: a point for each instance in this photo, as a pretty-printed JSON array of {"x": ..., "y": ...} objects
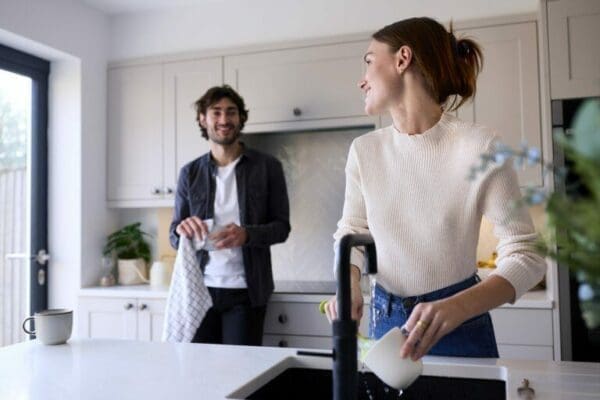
[
  {"x": 356, "y": 299},
  {"x": 429, "y": 322}
]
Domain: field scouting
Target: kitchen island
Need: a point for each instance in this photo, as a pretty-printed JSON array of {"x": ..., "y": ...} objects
[{"x": 90, "y": 369}]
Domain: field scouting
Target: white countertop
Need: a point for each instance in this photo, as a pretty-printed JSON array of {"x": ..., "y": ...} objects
[
  {"x": 120, "y": 369},
  {"x": 294, "y": 291}
]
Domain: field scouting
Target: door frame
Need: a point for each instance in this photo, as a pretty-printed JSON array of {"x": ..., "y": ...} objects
[{"x": 38, "y": 70}]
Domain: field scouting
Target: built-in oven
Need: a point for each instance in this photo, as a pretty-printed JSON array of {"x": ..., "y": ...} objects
[{"x": 578, "y": 343}]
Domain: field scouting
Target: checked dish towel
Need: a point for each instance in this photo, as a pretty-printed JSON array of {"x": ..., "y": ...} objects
[{"x": 188, "y": 299}]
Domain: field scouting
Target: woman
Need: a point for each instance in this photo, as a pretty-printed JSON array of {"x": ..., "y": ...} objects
[{"x": 407, "y": 185}]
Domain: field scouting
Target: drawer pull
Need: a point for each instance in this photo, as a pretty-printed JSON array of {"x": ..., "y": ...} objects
[
  {"x": 297, "y": 112},
  {"x": 143, "y": 307},
  {"x": 128, "y": 306},
  {"x": 283, "y": 343},
  {"x": 282, "y": 318}
]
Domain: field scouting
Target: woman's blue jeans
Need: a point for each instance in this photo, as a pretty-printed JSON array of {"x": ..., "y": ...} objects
[{"x": 474, "y": 338}]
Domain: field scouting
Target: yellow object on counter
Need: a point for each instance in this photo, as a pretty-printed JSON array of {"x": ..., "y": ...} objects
[{"x": 491, "y": 263}]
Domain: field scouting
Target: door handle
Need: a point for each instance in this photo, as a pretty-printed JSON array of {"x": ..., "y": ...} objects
[{"x": 41, "y": 257}]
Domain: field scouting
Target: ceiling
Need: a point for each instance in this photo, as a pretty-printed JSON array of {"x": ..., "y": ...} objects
[{"x": 131, "y": 6}]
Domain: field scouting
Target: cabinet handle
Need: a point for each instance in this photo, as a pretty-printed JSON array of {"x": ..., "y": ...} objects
[
  {"x": 282, "y": 318},
  {"x": 143, "y": 307},
  {"x": 283, "y": 343},
  {"x": 297, "y": 112},
  {"x": 168, "y": 190},
  {"x": 525, "y": 391},
  {"x": 155, "y": 191},
  {"x": 128, "y": 306}
]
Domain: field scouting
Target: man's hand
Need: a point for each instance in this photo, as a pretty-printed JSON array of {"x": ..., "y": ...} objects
[
  {"x": 230, "y": 236},
  {"x": 192, "y": 226}
]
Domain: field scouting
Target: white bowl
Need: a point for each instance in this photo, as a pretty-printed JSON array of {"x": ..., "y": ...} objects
[{"x": 384, "y": 361}]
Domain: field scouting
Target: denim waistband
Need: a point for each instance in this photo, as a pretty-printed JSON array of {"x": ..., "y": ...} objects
[{"x": 409, "y": 302}]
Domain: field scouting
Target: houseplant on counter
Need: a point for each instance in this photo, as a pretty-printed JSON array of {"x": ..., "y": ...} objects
[
  {"x": 132, "y": 251},
  {"x": 572, "y": 235}
]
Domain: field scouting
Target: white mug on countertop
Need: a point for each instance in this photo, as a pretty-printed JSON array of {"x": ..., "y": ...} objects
[{"x": 51, "y": 326}]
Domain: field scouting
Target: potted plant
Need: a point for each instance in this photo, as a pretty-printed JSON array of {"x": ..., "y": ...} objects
[
  {"x": 132, "y": 251},
  {"x": 572, "y": 235}
]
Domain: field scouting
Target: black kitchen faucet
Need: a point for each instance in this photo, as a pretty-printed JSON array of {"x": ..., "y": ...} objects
[{"x": 345, "y": 372}]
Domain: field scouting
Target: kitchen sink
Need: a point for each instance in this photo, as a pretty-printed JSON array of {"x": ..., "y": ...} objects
[{"x": 293, "y": 380}]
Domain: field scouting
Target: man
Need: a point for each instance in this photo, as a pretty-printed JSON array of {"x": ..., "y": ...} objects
[{"x": 244, "y": 193}]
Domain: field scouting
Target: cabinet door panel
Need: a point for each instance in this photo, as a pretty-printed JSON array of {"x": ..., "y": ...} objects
[
  {"x": 296, "y": 319},
  {"x": 184, "y": 83},
  {"x": 523, "y": 326},
  {"x": 113, "y": 318},
  {"x": 135, "y": 158},
  {"x": 151, "y": 314},
  {"x": 507, "y": 98},
  {"x": 299, "y": 84},
  {"x": 573, "y": 32}
]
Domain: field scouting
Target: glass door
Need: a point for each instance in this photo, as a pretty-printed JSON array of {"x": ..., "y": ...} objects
[{"x": 23, "y": 190}]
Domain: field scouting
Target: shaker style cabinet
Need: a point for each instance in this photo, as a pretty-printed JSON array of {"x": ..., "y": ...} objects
[
  {"x": 135, "y": 139},
  {"x": 521, "y": 333},
  {"x": 508, "y": 92},
  {"x": 573, "y": 29},
  {"x": 508, "y": 89},
  {"x": 308, "y": 87},
  {"x": 121, "y": 318},
  {"x": 300, "y": 324},
  {"x": 152, "y": 128}
]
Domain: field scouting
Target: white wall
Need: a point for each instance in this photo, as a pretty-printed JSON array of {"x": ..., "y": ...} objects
[
  {"x": 233, "y": 23},
  {"x": 74, "y": 38}
]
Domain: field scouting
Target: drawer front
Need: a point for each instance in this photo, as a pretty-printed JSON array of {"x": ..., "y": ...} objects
[
  {"x": 516, "y": 352},
  {"x": 523, "y": 326},
  {"x": 302, "y": 342},
  {"x": 296, "y": 319}
]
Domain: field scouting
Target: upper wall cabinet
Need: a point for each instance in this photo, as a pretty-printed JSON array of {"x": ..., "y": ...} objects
[
  {"x": 308, "y": 87},
  {"x": 152, "y": 128},
  {"x": 135, "y": 140},
  {"x": 573, "y": 29},
  {"x": 186, "y": 82},
  {"x": 508, "y": 90}
]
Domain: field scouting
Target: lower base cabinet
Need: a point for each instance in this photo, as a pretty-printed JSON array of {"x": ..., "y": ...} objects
[
  {"x": 121, "y": 318},
  {"x": 521, "y": 333}
]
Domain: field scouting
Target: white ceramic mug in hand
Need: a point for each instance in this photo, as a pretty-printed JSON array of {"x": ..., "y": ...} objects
[
  {"x": 51, "y": 326},
  {"x": 383, "y": 359}
]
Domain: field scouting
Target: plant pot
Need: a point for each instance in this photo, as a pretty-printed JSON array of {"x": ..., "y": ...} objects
[{"x": 132, "y": 272}]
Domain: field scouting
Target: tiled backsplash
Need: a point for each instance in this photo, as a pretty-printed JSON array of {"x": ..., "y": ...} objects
[{"x": 313, "y": 163}]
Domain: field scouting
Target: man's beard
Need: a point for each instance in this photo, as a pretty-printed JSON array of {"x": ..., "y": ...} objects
[{"x": 225, "y": 141}]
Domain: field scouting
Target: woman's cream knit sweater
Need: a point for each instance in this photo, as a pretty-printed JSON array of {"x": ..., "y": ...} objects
[{"x": 412, "y": 193}]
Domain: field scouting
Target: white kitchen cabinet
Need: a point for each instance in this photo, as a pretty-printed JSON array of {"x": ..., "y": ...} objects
[
  {"x": 121, "y": 318},
  {"x": 521, "y": 333},
  {"x": 573, "y": 29},
  {"x": 508, "y": 89},
  {"x": 508, "y": 92},
  {"x": 524, "y": 333},
  {"x": 135, "y": 139},
  {"x": 152, "y": 129},
  {"x": 300, "y": 324},
  {"x": 300, "y": 88},
  {"x": 184, "y": 83}
]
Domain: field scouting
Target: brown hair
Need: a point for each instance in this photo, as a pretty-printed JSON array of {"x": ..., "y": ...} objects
[
  {"x": 214, "y": 95},
  {"x": 449, "y": 66}
]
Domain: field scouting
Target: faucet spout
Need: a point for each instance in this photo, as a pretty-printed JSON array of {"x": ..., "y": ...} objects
[{"x": 345, "y": 375}]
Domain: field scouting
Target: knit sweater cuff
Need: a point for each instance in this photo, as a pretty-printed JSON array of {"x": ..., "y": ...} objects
[{"x": 520, "y": 274}]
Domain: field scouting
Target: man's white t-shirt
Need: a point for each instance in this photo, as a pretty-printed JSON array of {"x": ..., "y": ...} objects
[{"x": 225, "y": 268}]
